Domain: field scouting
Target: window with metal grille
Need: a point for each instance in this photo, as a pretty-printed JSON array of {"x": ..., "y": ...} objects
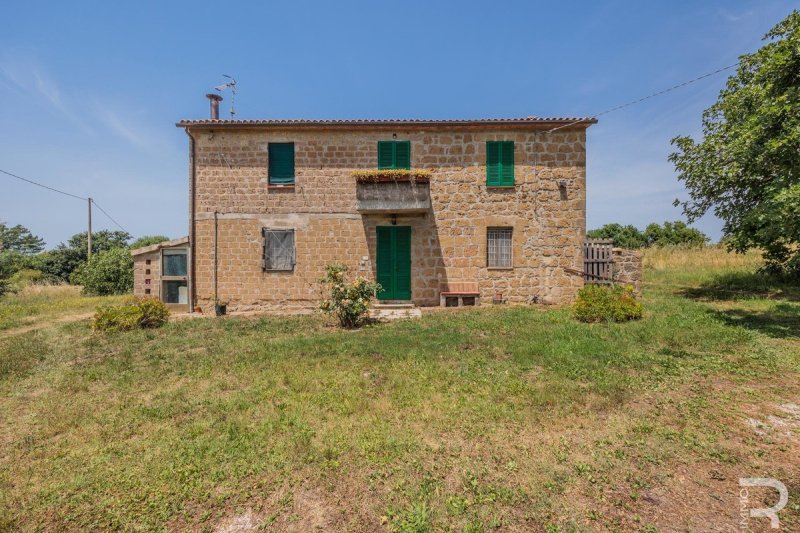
[
  {"x": 278, "y": 249},
  {"x": 498, "y": 247}
]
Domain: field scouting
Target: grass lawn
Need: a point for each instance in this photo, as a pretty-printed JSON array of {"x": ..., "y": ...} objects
[
  {"x": 35, "y": 306},
  {"x": 497, "y": 418}
]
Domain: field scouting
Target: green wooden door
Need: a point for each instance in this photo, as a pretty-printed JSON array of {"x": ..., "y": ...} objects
[{"x": 393, "y": 264}]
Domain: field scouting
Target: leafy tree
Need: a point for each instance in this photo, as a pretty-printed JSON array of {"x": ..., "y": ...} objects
[
  {"x": 147, "y": 240},
  {"x": 670, "y": 234},
  {"x": 623, "y": 236},
  {"x": 65, "y": 258},
  {"x": 5, "y": 273},
  {"x": 19, "y": 239},
  {"x": 673, "y": 234},
  {"x": 108, "y": 272},
  {"x": 747, "y": 166}
]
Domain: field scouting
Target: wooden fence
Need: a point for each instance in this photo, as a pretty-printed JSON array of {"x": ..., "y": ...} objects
[{"x": 597, "y": 261}]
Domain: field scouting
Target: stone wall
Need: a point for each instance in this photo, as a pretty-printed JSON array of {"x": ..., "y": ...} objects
[
  {"x": 628, "y": 268},
  {"x": 448, "y": 242}
]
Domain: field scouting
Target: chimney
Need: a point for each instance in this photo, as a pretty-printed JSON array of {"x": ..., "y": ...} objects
[{"x": 214, "y": 100}]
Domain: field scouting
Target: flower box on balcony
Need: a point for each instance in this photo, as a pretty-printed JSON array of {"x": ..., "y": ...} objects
[{"x": 413, "y": 175}]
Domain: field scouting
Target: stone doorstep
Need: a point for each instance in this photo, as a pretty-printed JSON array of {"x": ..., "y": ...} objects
[{"x": 393, "y": 310}]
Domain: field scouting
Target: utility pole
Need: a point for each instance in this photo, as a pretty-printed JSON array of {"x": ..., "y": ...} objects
[{"x": 89, "y": 233}]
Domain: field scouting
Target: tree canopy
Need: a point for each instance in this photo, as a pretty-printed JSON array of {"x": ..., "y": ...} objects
[
  {"x": 147, "y": 240},
  {"x": 670, "y": 234},
  {"x": 65, "y": 258},
  {"x": 19, "y": 239},
  {"x": 746, "y": 169}
]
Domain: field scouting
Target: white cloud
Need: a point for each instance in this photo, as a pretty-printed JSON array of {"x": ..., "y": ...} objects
[{"x": 30, "y": 77}]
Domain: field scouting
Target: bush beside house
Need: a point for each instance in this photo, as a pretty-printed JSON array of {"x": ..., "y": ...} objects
[
  {"x": 606, "y": 303},
  {"x": 349, "y": 301},
  {"x": 138, "y": 313}
]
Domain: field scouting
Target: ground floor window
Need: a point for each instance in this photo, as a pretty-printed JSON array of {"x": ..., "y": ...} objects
[
  {"x": 278, "y": 249},
  {"x": 176, "y": 292},
  {"x": 174, "y": 276},
  {"x": 498, "y": 247}
]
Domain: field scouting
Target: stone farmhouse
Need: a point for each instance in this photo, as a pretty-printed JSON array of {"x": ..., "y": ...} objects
[{"x": 439, "y": 212}]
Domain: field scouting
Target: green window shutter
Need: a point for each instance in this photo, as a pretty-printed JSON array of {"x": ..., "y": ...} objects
[
  {"x": 402, "y": 249},
  {"x": 402, "y": 152},
  {"x": 384, "y": 262},
  {"x": 492, "y": 163},
  {"x": 499, "y": 163},
  {"x": 507, "y": 163},
  {"x": 394, "y": 154},
  {"x": 281, "y": 163},
  {"x": 385, "y": 154}
]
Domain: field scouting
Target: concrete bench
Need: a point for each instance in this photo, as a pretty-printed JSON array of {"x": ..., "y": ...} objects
[{"x": 459, "y": 294}]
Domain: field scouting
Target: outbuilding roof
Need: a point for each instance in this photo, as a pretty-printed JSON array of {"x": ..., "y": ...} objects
[
  {"x": 158, "y": 246},
  {"x": 366, "y": 123}
]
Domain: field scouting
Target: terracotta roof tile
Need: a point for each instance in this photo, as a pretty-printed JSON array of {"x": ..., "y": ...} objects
[{"x": 389, "y": 122}]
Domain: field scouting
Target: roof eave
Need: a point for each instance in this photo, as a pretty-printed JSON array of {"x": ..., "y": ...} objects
[{"x": 355, "y": 124}]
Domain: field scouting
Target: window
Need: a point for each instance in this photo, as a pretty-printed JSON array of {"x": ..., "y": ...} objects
[
  {"x": 278, "y": 249},
  {"x": 281, "y": 163},
  {"x": 176, "y": 292},
  {"x": 498, "y": 247},
  {"x": 174, "y": 263},
  {"x": 499, "y": 163},
  {"x": 175, "y": 285},
  {"x": 394, "y": 154}
]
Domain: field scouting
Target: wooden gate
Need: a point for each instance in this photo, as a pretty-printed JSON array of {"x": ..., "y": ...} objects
[{"x": 597, "y": 261}]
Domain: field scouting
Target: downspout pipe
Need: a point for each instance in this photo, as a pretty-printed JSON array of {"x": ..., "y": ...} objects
[{"x": 192, "y": 233}]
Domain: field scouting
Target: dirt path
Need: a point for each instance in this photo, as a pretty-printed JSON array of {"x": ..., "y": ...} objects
[{"x": 45, "y": 324}]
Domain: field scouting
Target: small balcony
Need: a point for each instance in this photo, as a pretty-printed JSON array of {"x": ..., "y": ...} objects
[{"x": 395, "y": 192}]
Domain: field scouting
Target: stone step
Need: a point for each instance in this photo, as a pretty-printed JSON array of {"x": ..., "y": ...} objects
[
  {"x": 394, "y": 305},
  {"x": 394, "y": 311}
]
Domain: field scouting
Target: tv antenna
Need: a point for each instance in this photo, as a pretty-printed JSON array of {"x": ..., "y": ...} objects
[{"x": 229, "y": 85}]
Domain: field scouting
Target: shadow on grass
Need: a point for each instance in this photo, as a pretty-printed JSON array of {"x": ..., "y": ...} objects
[
  {"x": 780, "y": 321},
  {"x": 745, "y": 286}
]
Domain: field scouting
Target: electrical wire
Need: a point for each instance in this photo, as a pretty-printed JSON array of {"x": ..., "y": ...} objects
[
  {"x": 43, "y": 186},
  {"x": 640, "y": 100},
  {"x": 92, "y": 200},
  {"x": 109, "y": 216}
]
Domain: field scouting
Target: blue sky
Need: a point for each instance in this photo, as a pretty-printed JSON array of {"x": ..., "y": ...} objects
[{"x": 90, "y": 91}]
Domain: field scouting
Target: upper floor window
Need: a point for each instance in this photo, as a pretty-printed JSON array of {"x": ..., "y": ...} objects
[
  {"x": 281, "y": 163},
  {"x": 394, "y": 154},
  {"x": 499, "y": 163}
]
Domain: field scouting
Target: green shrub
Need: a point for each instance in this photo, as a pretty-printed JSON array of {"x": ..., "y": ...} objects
[
  {"x": 134, "y": 314},
  {"x": 349, "y": 301},
  {"x": 109, "y": 272},
  {"x": 603, "y": 303},
  {"x": 26, "y": 277}
]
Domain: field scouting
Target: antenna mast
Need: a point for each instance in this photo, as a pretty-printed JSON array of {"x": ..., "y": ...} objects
[{"x": 232, "y": 86}]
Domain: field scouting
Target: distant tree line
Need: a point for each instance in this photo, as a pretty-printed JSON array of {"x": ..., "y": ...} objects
[
  {"x": 110, "y": 270},
  {"x": 654, "y": 235}
]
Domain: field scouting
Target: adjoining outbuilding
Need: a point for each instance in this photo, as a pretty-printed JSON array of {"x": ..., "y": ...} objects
[{"x": 162, "y": 271}]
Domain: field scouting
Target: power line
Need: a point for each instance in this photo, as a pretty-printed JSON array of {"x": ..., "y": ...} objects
[
  {"x": 43, "y": 186},
  {"x": 92, "y": 200},
  {"x": 659, "y": 93},
  {"x": 109, "y": 216}
]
